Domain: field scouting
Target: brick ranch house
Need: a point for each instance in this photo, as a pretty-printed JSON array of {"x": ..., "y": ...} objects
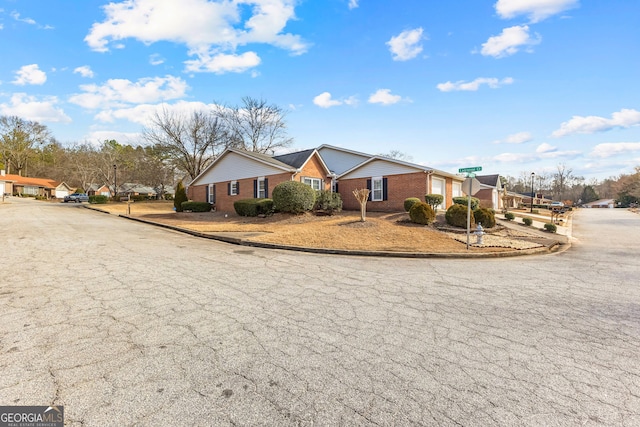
[
  {"x": 390, "y": 181},
  {"x": 239, "y": 174}
]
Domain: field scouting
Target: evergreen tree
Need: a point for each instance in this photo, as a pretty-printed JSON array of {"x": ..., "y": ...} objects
[{"x": 181, "y": 196}]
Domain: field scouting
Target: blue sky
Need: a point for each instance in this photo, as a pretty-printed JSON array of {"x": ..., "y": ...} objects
[{"x": 514, "y": 86}]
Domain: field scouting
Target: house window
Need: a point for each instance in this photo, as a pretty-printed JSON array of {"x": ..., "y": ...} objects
[
  {"x": 262, "y": 189},
  {"x": 315, "y": 183},
  {"x": 456, "y": 190},
  {"x": 438, "y": 186},
  {"x": 234, "y": 188},
  {"x": 212, "y": 194},
  {"x": 376, "y": 189},
  {"x": 34, "y": 191}
]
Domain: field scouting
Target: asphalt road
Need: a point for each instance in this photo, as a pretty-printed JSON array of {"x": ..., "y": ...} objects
[{"x": 127, "y": 324}]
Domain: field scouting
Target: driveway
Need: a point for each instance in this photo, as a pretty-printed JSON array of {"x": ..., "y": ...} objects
[{"x": 127, "y": 324}]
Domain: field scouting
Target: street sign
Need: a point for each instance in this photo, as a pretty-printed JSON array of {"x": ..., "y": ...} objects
[
  {"x": 471, "y": 186},
  {"x": 473, "y": 169}
]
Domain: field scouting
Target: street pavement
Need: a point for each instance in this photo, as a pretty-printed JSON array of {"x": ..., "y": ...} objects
[{"x": 128, "y": 324}]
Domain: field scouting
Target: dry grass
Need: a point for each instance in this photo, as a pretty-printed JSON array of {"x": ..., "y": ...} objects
[{"x": 381, "y": 231}]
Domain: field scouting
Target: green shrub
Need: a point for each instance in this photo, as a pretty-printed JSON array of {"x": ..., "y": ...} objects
[
  {"x": 409, "y": 202},
  {"x": 293, "y": 197},
  {"x": 181, "y": 196},
  {"x": 527, "y": 221},
  {"x": 196, "y": 206},
  {"x": 253, "y": 207},
  {"x": 98, "y": 199},
  {"x": 434, "y": 200},
  {"x": 328, "y": 202},
  {"x": 465, "y": 201},
  {"x": 485, "y": 216},
  {"x": 509, "y": 216},
  {"x": 422, "y": 213},
  {"x": 456, "y": 216},
  {"x": 550, "y": 227}
]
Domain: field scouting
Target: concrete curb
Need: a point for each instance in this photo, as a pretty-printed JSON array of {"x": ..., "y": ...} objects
[{"x": 552, "y": 248}]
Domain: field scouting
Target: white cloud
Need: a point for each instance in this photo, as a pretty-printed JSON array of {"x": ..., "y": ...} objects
[
  {"x": 156, "y": 59},
  {"x": 474, "y": 85},
  {"x": 614, "y": 148},
  {"x": 509, "y": 42},
  {"x": 353, "y": 4},
  {"x": 30, "y": 75},
  {"x": 546, "y": 148},
  {"x": 141, "y": 114},
  {"x": 84, "y": 71},
  {"x": 516, "y": 138},
  {"x": 406, "y": 45},
  {"x": 222, "y": 63},
  {"x": 209, "y": 29},
  {"x": 624, "y": 118},
  {"x": 537, "y": 10},
  {"x": 324, "y": 100},
  {"x": 16, "y": 16},
  {"x": 119, "y": 92},
  {"x": 96, "y": 137},
  {"x": 543, "y": 152},
  {"x": 32, "y": 108},
  {"x": 384, "y": 96}
]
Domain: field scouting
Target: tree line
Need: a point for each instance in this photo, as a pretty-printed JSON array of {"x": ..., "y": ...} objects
[
  {"x": 564, "y": 185},
  {"x": 175, "y": 145}
]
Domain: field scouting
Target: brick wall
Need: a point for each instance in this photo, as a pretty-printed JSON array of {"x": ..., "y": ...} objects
[
  {"x": 224, "y": 201},
  {"x": 399, "y": 188},
  {"x": 314, "y": 169}
]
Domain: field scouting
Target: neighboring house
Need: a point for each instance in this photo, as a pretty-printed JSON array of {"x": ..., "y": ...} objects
[
  {"x": 602, "y": 203},
  {"x": 132, "y": 189},
  {"x": 6, "y": 184},
  {"x": 510, "y": 199},
  {"x": 42, "y": 187},
  {"x": 238, "y": 174},
  {"x": 538, "y": 199},
  {"x": 390, "y": 181},
  {"x": 491, "y": 193},
  {"x": 99, "y": 190}
]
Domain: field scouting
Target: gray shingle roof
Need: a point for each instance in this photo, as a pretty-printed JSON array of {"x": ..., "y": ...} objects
[{"x": 296, "y": 159}]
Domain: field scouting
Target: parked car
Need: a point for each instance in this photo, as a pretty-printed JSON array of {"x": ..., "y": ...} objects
[{"x": 76, "y": 197}]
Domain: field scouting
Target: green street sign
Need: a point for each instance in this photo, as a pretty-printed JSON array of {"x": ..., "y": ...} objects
[{"x": 467, "y": 170}]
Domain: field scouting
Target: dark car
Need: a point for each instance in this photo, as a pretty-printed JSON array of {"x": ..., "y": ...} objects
[{"x": 76, "y": 197}]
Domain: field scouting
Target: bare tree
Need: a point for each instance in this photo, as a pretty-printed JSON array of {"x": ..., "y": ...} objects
[
  {"x": 18, "y": 138},
  {"x": 255, "y": 126},
  {"x": 191, "y": 141},
  {"x": 561, "y": 180},
  {"x": 362, "y": 195},
  {"x": 397, "y": 155}
]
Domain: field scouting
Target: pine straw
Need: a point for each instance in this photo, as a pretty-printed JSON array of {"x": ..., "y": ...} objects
[{"x": 380, "y": 231}]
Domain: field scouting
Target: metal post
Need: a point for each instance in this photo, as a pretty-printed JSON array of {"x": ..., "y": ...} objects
[
  {"x": 468, "y": 214},
  {"x": 533, "y": 174}
]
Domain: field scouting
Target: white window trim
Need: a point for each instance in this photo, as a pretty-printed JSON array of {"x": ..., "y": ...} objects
[
  {"x": 211, "y": 194},
  {"x": 373, "y": 189},
  {"x": 311, "y": 182},
  {"x": 262, "y": 191},
  {"x": 234, "y": 188}
]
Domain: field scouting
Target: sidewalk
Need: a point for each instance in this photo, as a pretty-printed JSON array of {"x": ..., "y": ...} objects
[{"x": 538, "y": 224}]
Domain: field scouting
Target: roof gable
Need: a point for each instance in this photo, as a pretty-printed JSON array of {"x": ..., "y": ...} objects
[{"x": 235, "y": 164}]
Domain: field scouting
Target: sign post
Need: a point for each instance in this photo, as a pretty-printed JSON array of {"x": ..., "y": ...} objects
[{"x": 470, "y": 178}]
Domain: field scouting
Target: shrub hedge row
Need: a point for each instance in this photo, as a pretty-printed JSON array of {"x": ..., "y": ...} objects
[
  {"x": 253, "y": 207},
  {"x": 196, "y": 206}
]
